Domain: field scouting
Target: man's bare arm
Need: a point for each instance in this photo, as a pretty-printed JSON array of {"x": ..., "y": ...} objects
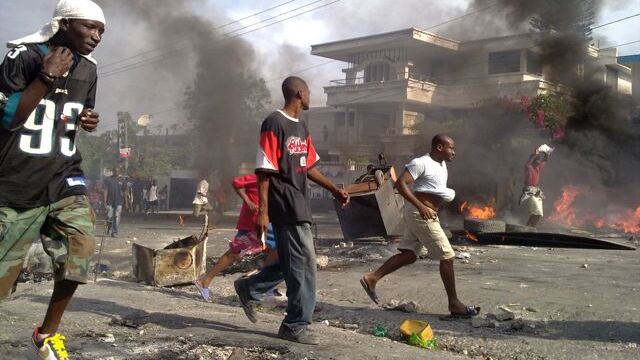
[
  {"x": 262, "y": 221},
  {"x": 243, "y": 195},
  {"x": 340, "y": 194},
  {"x": 403, "y": 188}
]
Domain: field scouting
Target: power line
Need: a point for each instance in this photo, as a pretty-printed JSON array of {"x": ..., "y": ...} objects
[
  {"x": 215, "y": 28},
  {"x": 298, "y": 71},
  {"x": 615, "y": 21},
  {"x": 275, "y": 16},
  {"x": 279, "y": 21},
  {"x": 620, "y": 45},
  {"x": 460, "y": 17},
  {"x": 157, "y": 58}
]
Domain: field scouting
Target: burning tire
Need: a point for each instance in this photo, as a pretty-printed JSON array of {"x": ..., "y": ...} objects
[
  {"x": 519, "y": 228},
  {"x": 486, "y": 226}
]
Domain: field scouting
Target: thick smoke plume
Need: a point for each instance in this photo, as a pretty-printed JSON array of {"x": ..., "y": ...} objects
[
  {"x": 601, "y": 144},
  {"x": 226, "y": 97}
]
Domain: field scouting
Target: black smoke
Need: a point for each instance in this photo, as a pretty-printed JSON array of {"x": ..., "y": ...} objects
[{"x": 225, "y": 97}]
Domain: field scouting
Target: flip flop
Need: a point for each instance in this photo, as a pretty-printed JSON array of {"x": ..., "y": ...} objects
[
  {"x": 372, "y": 294},
  {"x": 470, "y": 312},
  {"x": 204, "y": 292}
]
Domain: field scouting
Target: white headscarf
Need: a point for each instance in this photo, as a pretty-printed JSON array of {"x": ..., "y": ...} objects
[
  {"x": 544, "y": 148},
  {"x": 66, "y": 9}
]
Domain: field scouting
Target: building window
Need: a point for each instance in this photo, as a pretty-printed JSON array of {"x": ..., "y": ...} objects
[
  {"x": 534, "y": 66},
  {"x": 502, "y": 62},
  {"x": 352, "y": 119},
  {"x": 339, "y": 120},
  {"x": 378, "y": 71}
]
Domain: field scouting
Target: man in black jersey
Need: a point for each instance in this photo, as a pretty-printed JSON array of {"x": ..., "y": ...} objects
[
  {"x": 47, "y": 90},
  {"x": 286, "y": 159}
]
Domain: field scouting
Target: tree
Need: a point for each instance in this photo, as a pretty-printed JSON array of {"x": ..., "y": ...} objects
[
  {"x": 226, "y": 120},
  {"x": 564, "y": 16}
]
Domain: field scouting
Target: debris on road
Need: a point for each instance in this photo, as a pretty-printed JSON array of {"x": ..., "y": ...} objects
[
  {"x": 408, "y": 307},
  {"x": 380, "y": 331}
]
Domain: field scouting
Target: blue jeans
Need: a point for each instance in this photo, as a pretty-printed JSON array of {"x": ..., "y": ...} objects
[
  {"x": 297, "y": 258},
  {"x": 265, "y": 281},
  {"x": 113, "y": 215}
]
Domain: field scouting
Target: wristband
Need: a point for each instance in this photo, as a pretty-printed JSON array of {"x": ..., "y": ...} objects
[{"x": 46, "y": 77}]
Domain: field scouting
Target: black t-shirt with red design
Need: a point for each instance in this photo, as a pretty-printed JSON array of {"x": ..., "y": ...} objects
[{"x": 286, "y": 153}]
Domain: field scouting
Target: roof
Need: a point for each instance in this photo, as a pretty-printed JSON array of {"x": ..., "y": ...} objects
[{"x": 411, "y": 38}]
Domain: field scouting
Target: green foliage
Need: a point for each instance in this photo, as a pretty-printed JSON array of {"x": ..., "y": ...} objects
[
  {"x": 415, "y": 340},
  {"x": 549, "y": 112},
  {"x": 98, "y": 152},
  {"x": 150, "y": 155}
]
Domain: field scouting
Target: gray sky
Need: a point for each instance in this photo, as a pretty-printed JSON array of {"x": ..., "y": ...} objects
[{"x": 280, "y": 49}]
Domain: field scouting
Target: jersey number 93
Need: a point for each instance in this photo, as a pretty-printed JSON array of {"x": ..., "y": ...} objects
[{"x": 38, "y": 135}]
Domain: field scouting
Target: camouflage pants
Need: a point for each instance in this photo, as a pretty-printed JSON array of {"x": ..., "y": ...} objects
[{"x": 68, "y": 229}]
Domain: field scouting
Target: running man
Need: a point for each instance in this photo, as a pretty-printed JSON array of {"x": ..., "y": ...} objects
[
  {"x": 428, "y": 174},
  {"x": 47, "y": 90},
  {"x": 246, "y": 241}
]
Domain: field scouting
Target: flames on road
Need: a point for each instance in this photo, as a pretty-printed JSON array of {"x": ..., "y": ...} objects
[
  {"x": 568, "y": 214},
  {"x": 478, "y": 211}
]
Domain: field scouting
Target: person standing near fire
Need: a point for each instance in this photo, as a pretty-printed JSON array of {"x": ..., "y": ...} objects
[
  {"x": 47, "y": 91},
  {"x": 532, "y": 196},
  {"x": 428, "y": 174}
]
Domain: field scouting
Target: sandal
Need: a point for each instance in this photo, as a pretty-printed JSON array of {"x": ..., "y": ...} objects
[
  {"x": 470, "y": 312},
  {"x": 204, "y": 292},
  {"x": 372, "y": 294}
]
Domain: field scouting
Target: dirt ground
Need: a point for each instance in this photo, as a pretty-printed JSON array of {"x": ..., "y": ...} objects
[{"x": 567, "y": 303}]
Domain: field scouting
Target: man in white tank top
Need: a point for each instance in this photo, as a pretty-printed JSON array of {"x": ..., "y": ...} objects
[{"x": 428, "y": 174}]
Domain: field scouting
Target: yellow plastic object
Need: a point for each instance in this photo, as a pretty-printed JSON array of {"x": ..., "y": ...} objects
[{"x": 421, "y": 328}]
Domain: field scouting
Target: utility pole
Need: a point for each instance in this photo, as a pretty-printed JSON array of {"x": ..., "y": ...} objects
[{"x": 123, "y": 136}]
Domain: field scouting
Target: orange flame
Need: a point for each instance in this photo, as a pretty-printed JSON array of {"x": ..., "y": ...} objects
[
  {"x": 478, "y": 211},
  {"x": 626, "y": 220},
  {"x": 470, "y": 236},
  {"x": 565, "y": 213}
]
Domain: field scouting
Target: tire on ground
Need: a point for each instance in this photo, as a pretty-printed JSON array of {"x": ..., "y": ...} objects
[
  {"x": 487, "y": 226},
  {"x": 519, "y": 228}
]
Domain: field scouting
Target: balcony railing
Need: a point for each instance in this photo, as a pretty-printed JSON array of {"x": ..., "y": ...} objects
[{"x": 365, "y": 81}]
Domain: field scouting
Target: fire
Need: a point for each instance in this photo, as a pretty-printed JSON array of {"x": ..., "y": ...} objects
[
  {"x": 565, "y": 213},
  {"x": 616, "y": 218},
  {"x": 625, "y": 220},
  {"x": 478, "y": 211},
  {"x": 470, "y": 236}
]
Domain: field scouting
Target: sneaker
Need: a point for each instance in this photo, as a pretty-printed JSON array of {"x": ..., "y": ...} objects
[
  {"x": 248, "y": 305},
  {"x": 51, "y": 348},
  {"x": 302, "y": 337}
]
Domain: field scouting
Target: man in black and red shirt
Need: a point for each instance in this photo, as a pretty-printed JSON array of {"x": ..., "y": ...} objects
[{"x": 286, "y": 159}]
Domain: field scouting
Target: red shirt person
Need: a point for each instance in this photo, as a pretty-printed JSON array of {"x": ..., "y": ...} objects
[
  {"x": 531, "y": 194},
  {"x": 247, "y": 184}
]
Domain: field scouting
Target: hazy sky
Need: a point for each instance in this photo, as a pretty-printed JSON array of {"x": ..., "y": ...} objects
[{"x": 281, "y": 49}]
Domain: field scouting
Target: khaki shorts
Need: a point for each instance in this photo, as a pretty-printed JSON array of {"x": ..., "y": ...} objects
[
  {"x": 67, "y": 226},
  {"x": 428, "y": 233},
  {"x": 534, "y": 205},
  {"x": 199, "y": 208}
]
